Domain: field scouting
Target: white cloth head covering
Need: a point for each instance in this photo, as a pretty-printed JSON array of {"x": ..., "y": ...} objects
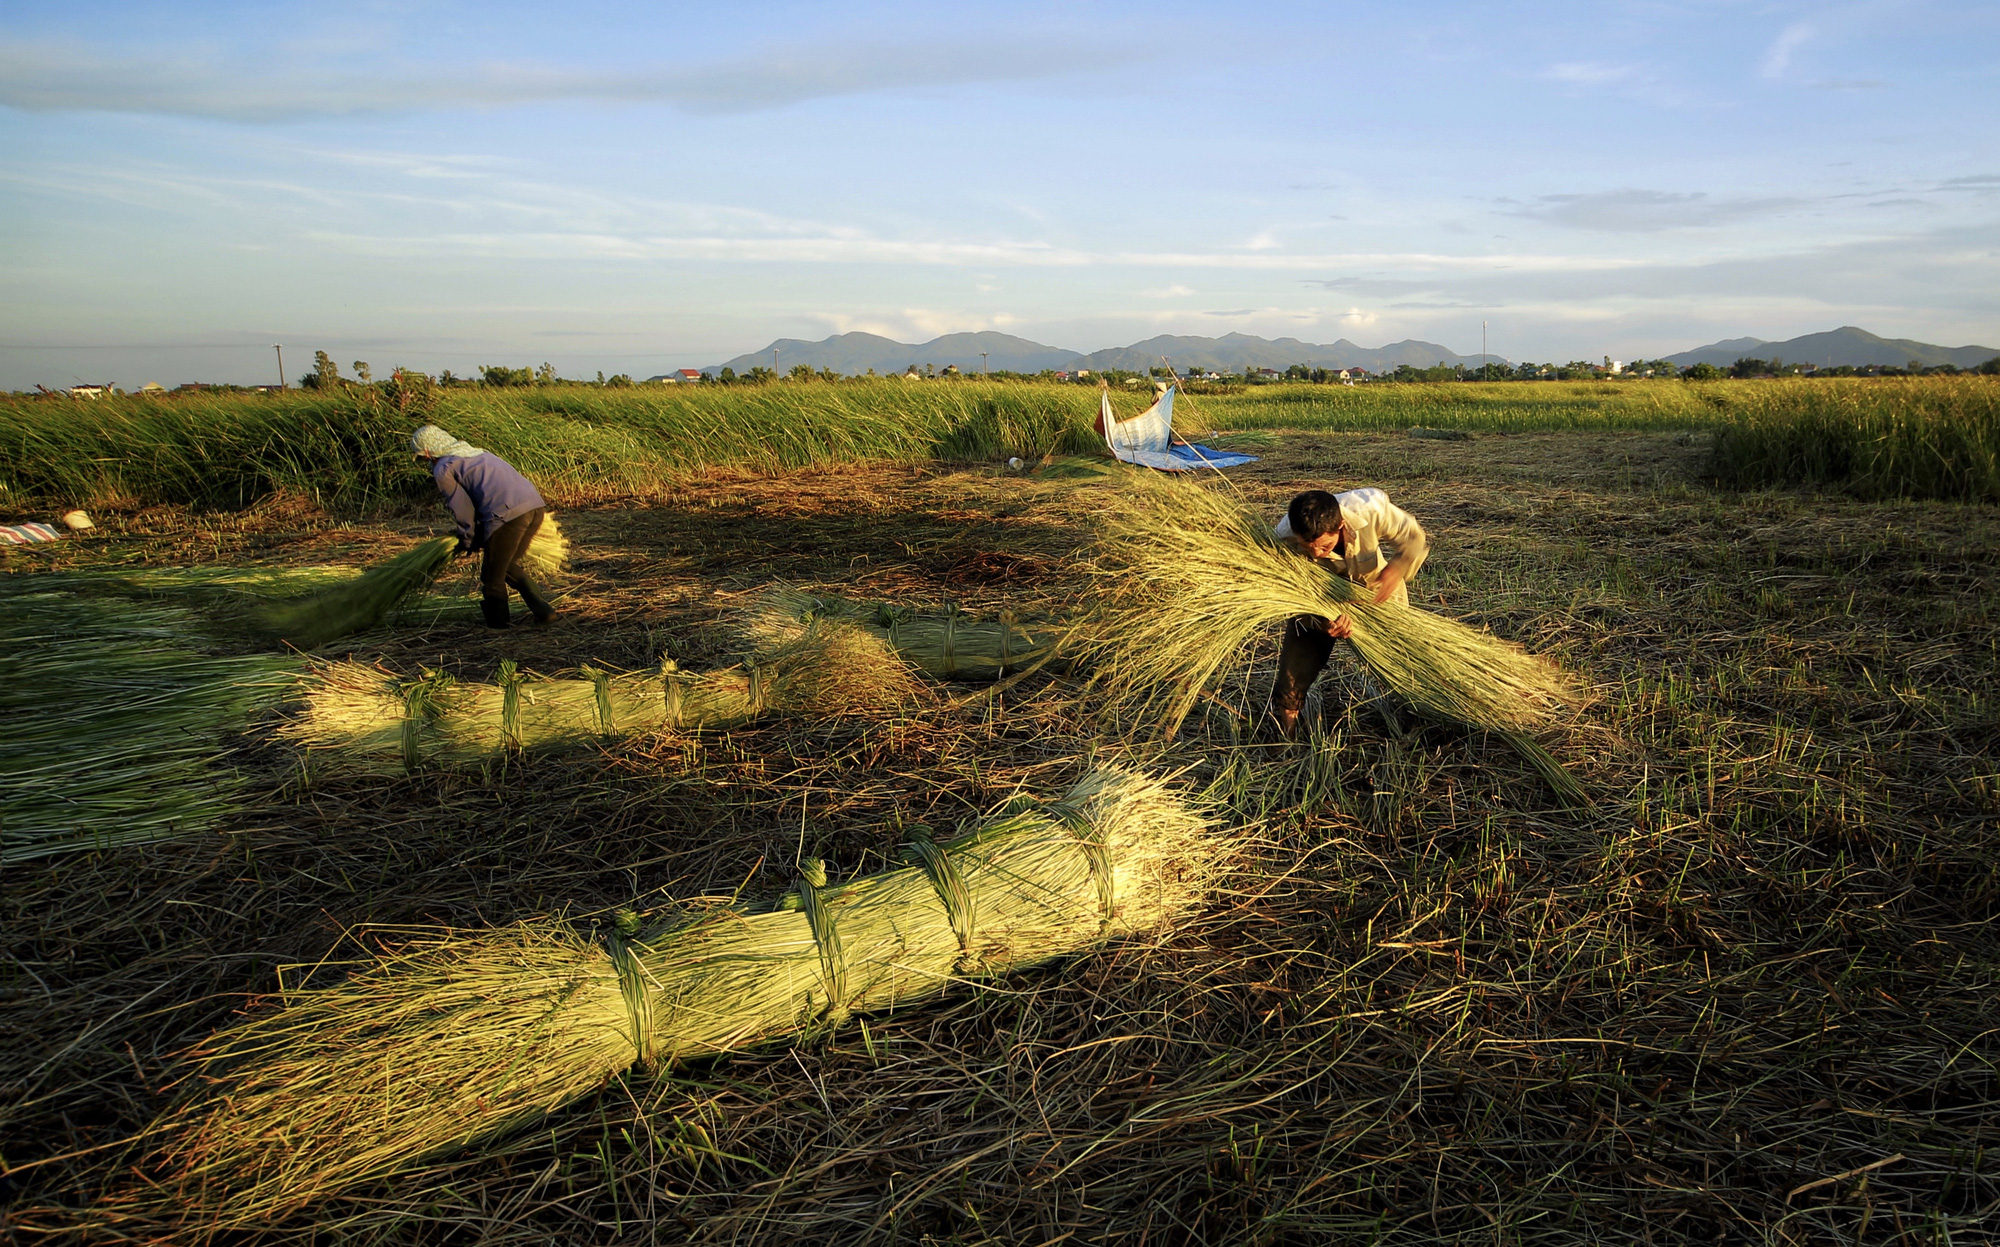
[
  {"x": 435, "y": 443},
  {"x": 77, "y": 521}
]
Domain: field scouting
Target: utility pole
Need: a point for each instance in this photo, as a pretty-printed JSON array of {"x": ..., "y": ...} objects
[
  {"x": 1484, "y": 363},
  {"x": 984, "y": 371},
  {"x": 774, "y": 361},
  {"x": 279, "y": 347}
]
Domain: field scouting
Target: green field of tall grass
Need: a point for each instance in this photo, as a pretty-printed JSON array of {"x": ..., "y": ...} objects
[{"x": 1918, "y": 437}]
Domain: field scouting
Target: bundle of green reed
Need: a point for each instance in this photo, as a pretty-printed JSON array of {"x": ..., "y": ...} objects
[
  {"x": 949, "y": 644},
  {"x": 464, "y": 1036},
  {"x": 338, "y": 610},
  {"x": 361, "y": 718},
  {"x": 115, "y": 724},
  {"x": 1187, "y": 577}
]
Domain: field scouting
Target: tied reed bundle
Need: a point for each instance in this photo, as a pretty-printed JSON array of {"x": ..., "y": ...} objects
[
  {"x": 115, "y": 724},
  {"x": 361, "y": 718},
  {"x": 1187, "y": 577},
  {"x": 465, "y": 1036},
  {"x": 948, "y": 644}
]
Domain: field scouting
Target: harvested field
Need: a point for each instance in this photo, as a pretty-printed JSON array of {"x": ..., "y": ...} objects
[{"x": 1745, "y": 993}]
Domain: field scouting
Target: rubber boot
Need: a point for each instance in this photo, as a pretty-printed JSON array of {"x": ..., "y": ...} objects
[
  {"x": 1278, "y": 727},
  {"x": 494, "y": 607},
  {"x": 538, "y": 606}
]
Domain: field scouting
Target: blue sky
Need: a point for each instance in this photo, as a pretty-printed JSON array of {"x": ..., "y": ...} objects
[{"x": 630, "y": 188}]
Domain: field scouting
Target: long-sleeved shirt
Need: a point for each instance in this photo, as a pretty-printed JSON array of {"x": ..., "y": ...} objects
[
  {"x": 1375, "y": 523},
  {"x": 484, "y": 492}
]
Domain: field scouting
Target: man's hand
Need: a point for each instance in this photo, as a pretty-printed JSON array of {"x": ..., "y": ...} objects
[
  {"x": 462, "y": 550},
  {"x": 1386, "y": 583},
  {"x": 1339, "y": 628}
]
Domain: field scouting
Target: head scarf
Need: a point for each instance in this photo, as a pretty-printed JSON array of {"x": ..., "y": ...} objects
[{"x": 435, "y": 442}]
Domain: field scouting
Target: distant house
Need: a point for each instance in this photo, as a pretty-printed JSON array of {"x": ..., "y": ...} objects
[
  {"x": 152, "y": 387},
  {"x": 679, "y": 376},
  {"x": 1062, "y": 376},
  {"x": 1268, "y": 374},
  {"x": 90, "y": 390},
  {"x": 1083, "y": 372}
]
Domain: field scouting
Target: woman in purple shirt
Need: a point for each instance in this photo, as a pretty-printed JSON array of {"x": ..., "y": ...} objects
[{"x": 497, "y": 511}]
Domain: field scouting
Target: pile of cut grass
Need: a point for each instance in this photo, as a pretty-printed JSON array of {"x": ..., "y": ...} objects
[
  {"x": 118, "y": 730},
  {"x": 1930, "y": 438},
  {"x": 467, "y": 1036}
]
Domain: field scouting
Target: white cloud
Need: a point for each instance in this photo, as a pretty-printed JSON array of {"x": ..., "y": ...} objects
[
  {"x": 1636, "y": 211},
  {"x": 1590, "y": 73},
  {"x": 914, "y": 324},
  {"x": 45, "y": 77},
  {"x": 1356, "y": 318},
  {"x": 1778, "y": 57},
  {"x": 1175, "y": 291}
]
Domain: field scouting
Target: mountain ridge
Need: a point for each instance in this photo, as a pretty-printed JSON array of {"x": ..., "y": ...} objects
[
  {"x": 1847, "y": 345},
  {"x": 857, "y": 352}
]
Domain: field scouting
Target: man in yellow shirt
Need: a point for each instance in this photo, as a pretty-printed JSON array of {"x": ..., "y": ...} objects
[{"x": 1361, "y": 535}]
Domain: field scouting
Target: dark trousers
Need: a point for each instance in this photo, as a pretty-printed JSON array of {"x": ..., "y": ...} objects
[
  {"x": 501, "y": 570},
  {"x": 1302, "y": 655}
]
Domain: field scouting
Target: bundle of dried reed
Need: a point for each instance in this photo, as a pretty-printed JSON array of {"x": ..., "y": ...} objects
[
  {"x": 1187, "y": 577},
  {"x": 362, "y": 718},
  {"x": 949, "y": 644},
  {"x": 466, "y": 1035}
]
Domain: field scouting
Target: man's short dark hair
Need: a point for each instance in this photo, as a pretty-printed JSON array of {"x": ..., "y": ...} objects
[{"x": 1313, "y": 513}]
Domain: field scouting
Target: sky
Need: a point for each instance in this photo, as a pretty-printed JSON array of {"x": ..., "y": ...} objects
[{"x": 625, "y": 187}]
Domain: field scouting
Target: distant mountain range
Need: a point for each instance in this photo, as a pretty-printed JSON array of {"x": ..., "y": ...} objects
[
  {"x": 1847, "y": 345},
  {"x": 857, "y": 353},
  {"x": 852, "y": 353}
]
